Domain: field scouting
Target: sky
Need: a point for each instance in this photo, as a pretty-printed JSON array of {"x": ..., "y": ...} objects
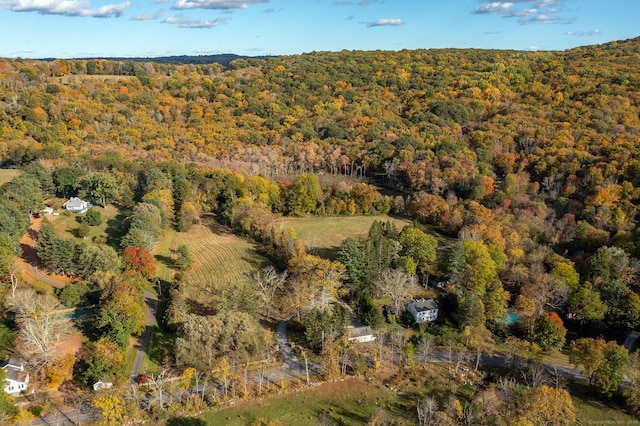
[{"x": 152, "y": 28}]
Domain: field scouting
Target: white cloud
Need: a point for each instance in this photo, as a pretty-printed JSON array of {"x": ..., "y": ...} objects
[
  {"x": 595, "y": 32},
  {"x": 69, "y": 8},
  {"x": 184, "y": 22},
  {"x": 526, "y": 11},
  {"x": 385, "y": 22},
  {"x": 494, "y": 7},
  {"x": 216, "y": 4},
  {"x": 148, "y": 16}
]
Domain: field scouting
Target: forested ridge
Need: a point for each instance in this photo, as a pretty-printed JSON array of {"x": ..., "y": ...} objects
[{"x": 526, "y": 163}]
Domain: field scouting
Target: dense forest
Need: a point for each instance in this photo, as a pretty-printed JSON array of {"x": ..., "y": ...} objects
[{"x": 527, "y": 163}]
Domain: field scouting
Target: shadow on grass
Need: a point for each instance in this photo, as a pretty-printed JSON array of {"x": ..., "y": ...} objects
[
  {"x": 166, "y": 260},
  {"x": 115, "y": 230},
  {"x": 162, "y": 348},
  {"x": 185, "y": 421}
]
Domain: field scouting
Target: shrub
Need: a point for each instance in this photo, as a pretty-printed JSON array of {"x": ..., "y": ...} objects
[{"x": 93, "y": 217}]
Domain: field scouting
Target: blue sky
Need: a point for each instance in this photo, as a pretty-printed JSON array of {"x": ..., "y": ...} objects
[{"x": 89, "y": 28}]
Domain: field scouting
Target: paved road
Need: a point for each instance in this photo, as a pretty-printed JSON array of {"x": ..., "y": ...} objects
[
  {"x": 631, "y": 339},
  {"x": 152, "y": 304}
]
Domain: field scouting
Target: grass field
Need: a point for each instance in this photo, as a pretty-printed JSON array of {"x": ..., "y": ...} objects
[
  {"x": 65, "y": 224},
  {"x": 354, "y": 402},
  {"x": 8, "y": 174},
  {"x": 221, "y": 259},
  {"x": 350, "y": 402},
  {"x": 322, "y": 235}
]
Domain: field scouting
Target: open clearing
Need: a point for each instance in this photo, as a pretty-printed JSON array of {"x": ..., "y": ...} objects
[
  {"x": 348, "y": 402},
  {"x": 65, "y": 224},
  {"x": 221, "y": 259},
  {"x": 7, "y": 175},
  {"x": 324, "y": 234},
  {"x": 354, "y": 401}
]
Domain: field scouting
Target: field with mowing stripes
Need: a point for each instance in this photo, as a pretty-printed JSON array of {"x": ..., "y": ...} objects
[{"x": 221, "y": 259}]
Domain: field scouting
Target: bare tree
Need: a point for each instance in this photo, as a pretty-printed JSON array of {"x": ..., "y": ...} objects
[
  {"x": 536, "y": 375},
  {"x": 427, "y": 408},
  {"x": 425, "y": 346},
  {"x": 397, "y": 285},
  {"x": 41, "y": 326},
  {"x": 158, "y": 382},
  {"x": 267, "y": 283}
]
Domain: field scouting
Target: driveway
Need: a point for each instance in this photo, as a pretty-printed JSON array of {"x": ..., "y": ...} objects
[{"x": 152, "y": 303}]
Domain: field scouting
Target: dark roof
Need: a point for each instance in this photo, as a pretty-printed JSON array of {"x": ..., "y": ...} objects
[
  {"x": 15, "y": 370},
  {"x": 424, "y": 305}
]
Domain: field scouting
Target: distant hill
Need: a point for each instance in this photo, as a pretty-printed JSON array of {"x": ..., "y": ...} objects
[{"x": 223, "y": 59}]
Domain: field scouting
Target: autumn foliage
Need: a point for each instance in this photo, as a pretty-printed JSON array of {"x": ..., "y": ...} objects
[{"x": 139, "y": 260}]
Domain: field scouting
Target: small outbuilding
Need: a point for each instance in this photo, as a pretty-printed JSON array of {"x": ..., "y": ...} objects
[
  {"x": 361, "y": 334},
  {"x": 423, "y": 310}
]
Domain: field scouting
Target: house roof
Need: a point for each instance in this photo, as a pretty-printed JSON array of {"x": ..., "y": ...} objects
[
  {"x": 15, "y": 370},
  {"x": 13, "y": 363},
  {"x": 75, "y": 202},
  {"x": 361, "y": 331},
  {"x": 424, "y": 305}
]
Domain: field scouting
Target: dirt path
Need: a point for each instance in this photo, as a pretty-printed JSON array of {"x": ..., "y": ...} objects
[{"x": 28, "y": 263}]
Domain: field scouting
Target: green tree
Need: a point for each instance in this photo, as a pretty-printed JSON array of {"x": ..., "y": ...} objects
[
  {"x": 9, "y": 249},
  {"x": 74, "y": 294},
  {"x": 7, "y": 408},
  {"x": 25, "y": 193},
  {"x": 303, "y": 195},
  {"x": 585, "y": 305},
  {"x": 96, "y": 260},
  {"x": 549, "y": 332},
  {"x": 603, "y": 362},
  {"x": 102, "y": 359},
  {"x": 368, "y": 311},
  {"x": 418, "y": 246},
  {"x": 93, "y": 217},
  {"x": 471, "y": 266},
  {"x": 122, "y": 312},
  {"x": 66, "y": 180},
  {"x": 102, "y": 186},
  {"x": 184, "y": 258}
]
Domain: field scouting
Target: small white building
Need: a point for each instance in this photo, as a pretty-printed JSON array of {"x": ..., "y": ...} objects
[
  {"x": 100, "y": 385},
  {"x": 47, "y": 211},
  {"x": 77, "y": 205},
  {"x": 361, "y": 334},
  {"x": 17, "y": 377},
  {"x": 423, "y": 310}
]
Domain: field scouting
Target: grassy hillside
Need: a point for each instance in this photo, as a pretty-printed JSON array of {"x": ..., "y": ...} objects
[
  {"x": 7, "y": 174},
  {"x": 221, "y": 259}
]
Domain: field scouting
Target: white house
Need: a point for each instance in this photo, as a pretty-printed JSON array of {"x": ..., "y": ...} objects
[
  {"x": 423, "y": 310},
  {"x": 17, "y": 377},
  {"x": 77, "y": 205},
  {"x": 361, "y": 334}
]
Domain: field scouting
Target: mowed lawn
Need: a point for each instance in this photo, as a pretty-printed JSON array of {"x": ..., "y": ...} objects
[
  {"x": 324, "y": 234},
  {"x": 348, "y": 402},
  {"x": 7, "y": 175},
  {"x": 221, "y": 260},
  {"x": 66, "y": 223}
]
